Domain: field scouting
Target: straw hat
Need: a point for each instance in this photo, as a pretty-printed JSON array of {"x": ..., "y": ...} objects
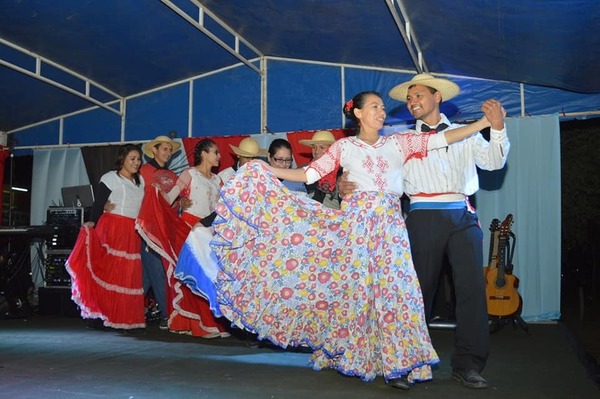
[
  {"x": 446, "y": 88},
  {"x": 320, "y": 137},
  {"x": 249, "y": 148},
  {"x": 160, "y": 139}
]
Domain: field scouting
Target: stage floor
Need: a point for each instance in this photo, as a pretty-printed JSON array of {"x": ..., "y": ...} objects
[{"x": 59, "y": 357}]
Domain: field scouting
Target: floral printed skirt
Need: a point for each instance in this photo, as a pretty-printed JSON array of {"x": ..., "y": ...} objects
[{"x": 339, "y": 281}]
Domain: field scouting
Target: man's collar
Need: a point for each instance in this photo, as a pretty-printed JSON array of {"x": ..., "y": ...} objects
[
  {"x": 156, "y": 165},
  {"x": 443, "y": 119}
]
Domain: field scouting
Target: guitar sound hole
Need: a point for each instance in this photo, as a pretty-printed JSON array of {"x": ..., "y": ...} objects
[{"x": 500, "y": 282}]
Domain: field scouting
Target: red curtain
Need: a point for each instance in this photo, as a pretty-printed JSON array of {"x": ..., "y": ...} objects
[
  {"x": 4, "y": 153},
  {"x": 227, "y": 155},
  {"x": 303, "y": 154}
]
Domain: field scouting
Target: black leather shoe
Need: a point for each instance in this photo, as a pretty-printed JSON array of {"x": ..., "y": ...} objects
[
  {"x": 400, "y": 383},
  {"x": 470, "y": 379}
]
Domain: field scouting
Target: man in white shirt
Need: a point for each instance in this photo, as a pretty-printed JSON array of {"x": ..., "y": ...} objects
[{"x": 441, "y": 222}]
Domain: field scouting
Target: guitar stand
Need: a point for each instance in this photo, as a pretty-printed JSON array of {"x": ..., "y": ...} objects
[{"x": 497, "y": 323}]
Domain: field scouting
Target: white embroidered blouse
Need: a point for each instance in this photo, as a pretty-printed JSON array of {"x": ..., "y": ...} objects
[
  {"x": 125, "y": 195},
  {"x": 203, "y": 192},
  {"x": 377, "y": 167}
]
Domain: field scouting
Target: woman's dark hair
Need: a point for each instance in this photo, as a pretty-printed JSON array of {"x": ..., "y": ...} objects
[
  {"x": 203, "y": 145},
  {"x": 358, "y": 101},
  {"x": 124, "y": 150},
  {"x": 277, "y": 144}
]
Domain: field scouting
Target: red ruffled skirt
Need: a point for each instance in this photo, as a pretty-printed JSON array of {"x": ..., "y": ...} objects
[{"x": 106, "y": 272}]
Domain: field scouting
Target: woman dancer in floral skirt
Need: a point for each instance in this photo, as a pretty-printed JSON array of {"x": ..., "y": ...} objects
[{"x": 339, "y": 281}]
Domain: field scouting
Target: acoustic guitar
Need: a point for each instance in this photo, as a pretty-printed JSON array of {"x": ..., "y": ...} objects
[{"x": 502, "y": 296}]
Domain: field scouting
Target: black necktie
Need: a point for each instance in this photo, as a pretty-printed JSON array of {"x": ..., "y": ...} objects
[{"x": 440, "y": 127}]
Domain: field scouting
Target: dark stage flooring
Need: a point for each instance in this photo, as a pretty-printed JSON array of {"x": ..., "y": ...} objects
[{"x": 60, "y": 357}]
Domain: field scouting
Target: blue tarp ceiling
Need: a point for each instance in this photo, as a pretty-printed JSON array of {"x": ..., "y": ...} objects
[{"x": 127, "y": 47}]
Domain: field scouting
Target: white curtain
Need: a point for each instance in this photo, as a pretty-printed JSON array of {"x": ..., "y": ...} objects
[{"x": 529, "y": 188}]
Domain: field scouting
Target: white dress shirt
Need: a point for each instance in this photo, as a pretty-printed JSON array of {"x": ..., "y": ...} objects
[{"x": 451, "y": 172}]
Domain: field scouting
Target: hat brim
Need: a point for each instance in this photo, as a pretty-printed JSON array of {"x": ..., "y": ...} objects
[
  {"x": 447, "y": 88},
  {"x": 241, "y": 153},
  {"x": 309, "y": 143},
  {"x": 147, "y": 149}
]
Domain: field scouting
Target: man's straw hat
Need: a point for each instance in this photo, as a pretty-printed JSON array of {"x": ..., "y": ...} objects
[
  {"x": 320, "y": 137},
  {"x": 160, "y": 139},
  {"x": 447, "y": 88},
  {"x": 249, "y": 148}
]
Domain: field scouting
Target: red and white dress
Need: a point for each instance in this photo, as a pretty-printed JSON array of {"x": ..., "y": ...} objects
[
  {"x": 167, "y": 232},
  {"x": 105, "y": 264}
]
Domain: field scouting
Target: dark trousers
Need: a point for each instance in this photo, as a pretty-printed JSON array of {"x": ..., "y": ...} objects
[
  {"x": 154, "y": 277},
  {"x": 457, "y": 234}
]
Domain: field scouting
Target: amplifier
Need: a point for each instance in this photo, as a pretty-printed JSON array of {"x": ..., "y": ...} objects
[
  {"x": 64, "y": 216},
  {"x": 56, "y": 274},
  {"x": 66, "y": 222},
  {"x": 62, "y": 237}
]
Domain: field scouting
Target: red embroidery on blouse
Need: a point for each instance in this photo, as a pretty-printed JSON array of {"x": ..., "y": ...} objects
[
  {"x": 413, "y": 145},
  {"x": 329, "y": 163},
  {"x": 380, "y": 176}
]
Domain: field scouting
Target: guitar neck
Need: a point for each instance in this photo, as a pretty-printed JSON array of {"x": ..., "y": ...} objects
[
  {"x": 493, "y": 247},
  {"x": 502, "y": 244}
]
